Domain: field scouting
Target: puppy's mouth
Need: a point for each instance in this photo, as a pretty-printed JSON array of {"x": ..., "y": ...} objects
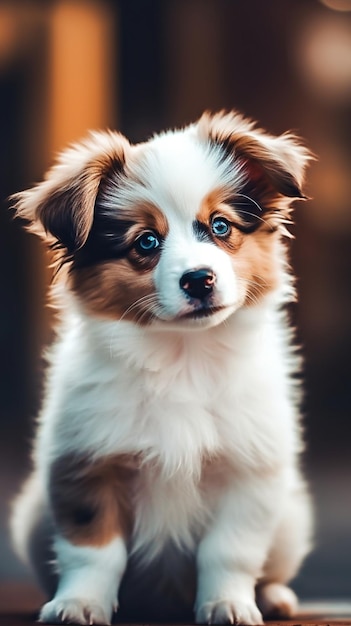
[
  {"x": 199, "y": 317},
  {"x": 201, "y": 313}
]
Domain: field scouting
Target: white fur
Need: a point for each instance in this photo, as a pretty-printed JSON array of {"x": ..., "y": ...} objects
[
  {"x": 208, "y": 404},
  {"x": 178, "y": 411},
  {"x": 174, "y": 171},
  {"x": 89, "y": 579}
]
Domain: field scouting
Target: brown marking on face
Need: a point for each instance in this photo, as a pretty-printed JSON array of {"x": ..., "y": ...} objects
[
  {"x": 93, "y": 502},
  {"x": 257, "y": 265},
  {"x": 115, "y": 231},
  {"x": 111, "y": 276},
  {"x": 255, "y": 255},
  {"x": 214, "y": 206},
  {"x": 144, "y": 216},
  {"x": 116, "y": 290}
]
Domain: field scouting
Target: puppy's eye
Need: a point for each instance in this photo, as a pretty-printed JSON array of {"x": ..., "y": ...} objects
[
  {"x": 220, "y": 227},
  {"x": 147, "y": 243}
]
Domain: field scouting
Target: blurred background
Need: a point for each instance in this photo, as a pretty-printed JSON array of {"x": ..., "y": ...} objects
[{"x": 145, "y": 65}]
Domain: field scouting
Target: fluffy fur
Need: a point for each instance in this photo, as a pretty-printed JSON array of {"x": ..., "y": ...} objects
[{"x": 166, "y": 463}]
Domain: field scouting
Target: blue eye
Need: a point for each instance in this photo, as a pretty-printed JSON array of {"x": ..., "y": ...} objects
[
  {"x": 147, "y": 243},
  {"x": 220, "y": 227}
]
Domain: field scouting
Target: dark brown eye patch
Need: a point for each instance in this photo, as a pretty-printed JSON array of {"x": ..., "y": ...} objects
[
  {"x": 219, "y": 227},
  {"x": 248, "y": 214},
  {"x": 107, "y": 240},
  {"x": 235, "y": 213},
  {"x": 116, "y": 236}
]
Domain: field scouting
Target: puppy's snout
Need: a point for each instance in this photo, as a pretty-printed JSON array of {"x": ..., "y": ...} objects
[{"x": 198, "y": 283}]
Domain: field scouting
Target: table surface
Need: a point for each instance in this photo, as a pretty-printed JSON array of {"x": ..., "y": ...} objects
[
  {"x": 19, "y": 604},
  {"x": 30, "y": 619}
]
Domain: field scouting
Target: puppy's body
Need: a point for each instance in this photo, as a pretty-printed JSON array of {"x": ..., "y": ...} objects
[{"x": 169, "y": 439}]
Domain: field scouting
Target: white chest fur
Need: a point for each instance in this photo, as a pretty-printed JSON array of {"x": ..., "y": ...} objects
[{"x": 217, "y": 399}]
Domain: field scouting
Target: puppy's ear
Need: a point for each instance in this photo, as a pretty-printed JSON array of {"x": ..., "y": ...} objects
[
  {"x": 61, "y": 208},
  {"x": 277, "y": 162}
]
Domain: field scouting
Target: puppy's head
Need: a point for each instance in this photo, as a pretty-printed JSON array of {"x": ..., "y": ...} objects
[{"x": 181, "y": 230}]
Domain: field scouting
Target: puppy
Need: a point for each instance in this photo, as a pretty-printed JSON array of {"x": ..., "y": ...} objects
[{"x": 166, "y": 463}]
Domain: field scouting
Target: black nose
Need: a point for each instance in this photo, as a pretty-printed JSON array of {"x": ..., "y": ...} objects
[{"x": 198, "y": 283}]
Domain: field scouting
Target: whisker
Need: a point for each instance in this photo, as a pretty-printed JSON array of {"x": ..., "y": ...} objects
[
  {"x": 148, "y": 298},
  {"x": 255, "y": 283},
  {"x": 143, "y": 313},
  {"x": 254, "y": 298},
  {"x": 242, "y": 211},
  {"x": 243, "y": 195},
  {"x": 153, "y": 309},
  {"x": 152, "y": 312},
  {"x": 258, "y": 217}
]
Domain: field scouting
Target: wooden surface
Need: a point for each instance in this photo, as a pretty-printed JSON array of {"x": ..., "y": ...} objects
[
  {"x": 19, "y": 605},
  {"x": 30, "y": 619},
  {"x": 19, "y": 618}
]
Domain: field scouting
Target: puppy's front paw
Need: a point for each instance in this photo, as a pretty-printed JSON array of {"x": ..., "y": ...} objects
[
  {"x": 73, "y": 611},
  {"x": 229, "y": 612}
]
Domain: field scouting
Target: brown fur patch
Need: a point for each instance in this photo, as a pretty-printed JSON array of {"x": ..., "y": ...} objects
[
  {"x": 115, "y": 232},
  {"x": 254, "y": 255},
  {"x": 257, "y": 265},
  {"x": 121, "y": 285},
  {"x": 146, "y": 216},
  {"x": 115, "y": 289},
  {"x": 93, "y": 502},
  {"x": 214, "y": 206}
]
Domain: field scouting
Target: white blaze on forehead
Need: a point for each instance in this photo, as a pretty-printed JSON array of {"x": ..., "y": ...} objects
[{"x": 176, "y": 171}]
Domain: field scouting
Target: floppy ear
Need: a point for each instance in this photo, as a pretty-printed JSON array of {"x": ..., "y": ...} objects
[
  {"x": 273, "y": 167},
  {"x": 61, "y": 208}
]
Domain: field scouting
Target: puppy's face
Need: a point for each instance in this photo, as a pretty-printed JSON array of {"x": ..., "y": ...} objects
[{"x": 182, "y": 230}]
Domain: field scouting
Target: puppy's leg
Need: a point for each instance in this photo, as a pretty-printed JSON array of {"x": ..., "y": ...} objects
[
  {"x": 92, "y": 515},
  {"x": 292, "y": 542},
  {"x": 232, "y": 554},
  {"x": 89, "y": 578}
]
